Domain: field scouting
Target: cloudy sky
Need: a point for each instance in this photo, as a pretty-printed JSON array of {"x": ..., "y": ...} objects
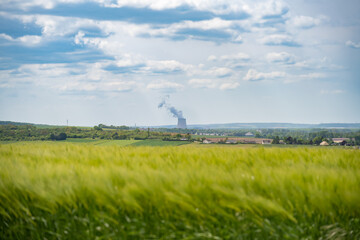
[{"x": 219, "y": 61}]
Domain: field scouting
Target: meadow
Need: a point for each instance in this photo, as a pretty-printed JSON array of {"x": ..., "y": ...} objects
[{"x": 64, "y": 190}]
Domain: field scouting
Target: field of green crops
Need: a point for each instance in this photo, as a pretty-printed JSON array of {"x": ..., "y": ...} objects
[
  {"x": 101, "y": 142},
  {"x": 147, "y": 142},
  {"x": 84, "y": 191},
  {"x": 159, "y": 142}
]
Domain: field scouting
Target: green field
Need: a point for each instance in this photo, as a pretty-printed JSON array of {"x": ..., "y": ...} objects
[
  {"x": 147, "y": 142},
  {"x": 64, "y": 190},
  {"x": 102, "y": 142},
  {"x": 159, "y": 142}
]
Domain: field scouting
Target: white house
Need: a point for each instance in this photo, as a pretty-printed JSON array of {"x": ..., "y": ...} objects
[
  {"x": 340, "y": 140},
  {"x": 266, "y": 141}
]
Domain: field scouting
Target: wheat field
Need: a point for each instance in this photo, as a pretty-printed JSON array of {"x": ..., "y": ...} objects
[{"x": 72, "y": 191}]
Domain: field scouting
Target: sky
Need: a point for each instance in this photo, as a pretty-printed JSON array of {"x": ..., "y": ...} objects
[{"x": 216, "y": 61}]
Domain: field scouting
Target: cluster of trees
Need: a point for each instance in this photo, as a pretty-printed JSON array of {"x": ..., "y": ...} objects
[
  {"x": 31, "y": 133},
  {"x": 291, "y": 136},
  {"x": 113, "y": 127},
  {"x": 177, "y": 137},
  {"x": 298, "y": 133},
  {"x": 61, "y": 136},
  {"x": 316, "y": 140}
]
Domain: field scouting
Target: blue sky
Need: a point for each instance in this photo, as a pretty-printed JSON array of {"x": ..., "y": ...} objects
[{"x": 223, "y": 61}]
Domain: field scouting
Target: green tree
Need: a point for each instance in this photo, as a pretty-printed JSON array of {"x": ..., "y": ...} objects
[
  {"x": 97, "y": 128},
  {"x": 61, "y": 136},
  {"x": 317, "y": 140},
  {"x": 276, "y": 140},
  {"x": 115, "y": 136},
  {"x": 52, "y": 136},
  {"x": 288, "y": 140},
  {"x": 357, "y": 140}
]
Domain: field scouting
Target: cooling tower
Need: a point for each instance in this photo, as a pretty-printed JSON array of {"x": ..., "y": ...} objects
[{"x": 181, "y": 123}]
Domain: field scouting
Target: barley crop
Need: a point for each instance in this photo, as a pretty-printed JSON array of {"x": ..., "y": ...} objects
[{"x": 73, "y": 191}]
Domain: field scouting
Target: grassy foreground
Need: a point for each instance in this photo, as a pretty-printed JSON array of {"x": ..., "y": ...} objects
[{"x": 75, "y": 191}]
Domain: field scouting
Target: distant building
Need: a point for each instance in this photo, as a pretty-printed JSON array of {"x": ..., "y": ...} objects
[
  {"x": 340, "y": 140},
  {"x": 266, "y": 141},
  {"x": 249, "y": 134},
  {"x": 181, "y": 123},
  {"x": 207, "y": 141},
  {"x": 324, "y": 143}
]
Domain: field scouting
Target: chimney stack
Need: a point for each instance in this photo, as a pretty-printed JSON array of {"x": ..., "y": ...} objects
[{"x": 181, "y": 123}]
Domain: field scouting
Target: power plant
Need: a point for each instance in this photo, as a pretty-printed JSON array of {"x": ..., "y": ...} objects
[
  {"x": 181, "y": 123},
  {"x": 174, "y": 112}
]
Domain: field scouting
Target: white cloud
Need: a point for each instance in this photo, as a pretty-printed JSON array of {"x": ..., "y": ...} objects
[
  {"x": 229, "y": 86},
  {"x": 236, "y": 57},
  {"x": 113, "y": 34},
  {"x": 212, "y": 58},
  {"x": 218, "y": 7},
  {"x": 215, "y": 23},
  {"x": 352, "y": 44},
  {"x": 47, "y": 4},
  {"x": 28, "y": 40},
  {"x": 129, "y": 60},
  {"x": 212, "y": 83},
  {"x": 279, "y": 39},
  {"x": 164, "y": 85},
  {"x": 302, "y": 77},
  {"x": 202, "y": 83},
  {"x": 6, "y": 37},
  {"x": 268, "y": 9},
  {"x": 121, "y": 86},
  {"x": 112, "y": 46},
  {"x": 55, "y": 25},
  {"x": 281, "y": 57},
  {"x": 318, "y": 64},
  {"x": 230, "y": 27},
  {"x": 232, "y": 61},
  {"x": 42, "y": 70},
  {"x": 253, "y": 75},
  {"x": 71, "y": 78},
  {"x": 313, "y": 75},
  {"x": 62, "y": 26},
  {"x": 167, "y": 66},
  {"x": 307, "y": 21},
  {"x": 220, "y": 72},
  {"x": 117, "y": 86}
]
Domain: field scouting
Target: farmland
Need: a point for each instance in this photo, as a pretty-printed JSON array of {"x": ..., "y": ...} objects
[
  {"x": 159, "y": 142},
  {"x": 83, "y": 191}
]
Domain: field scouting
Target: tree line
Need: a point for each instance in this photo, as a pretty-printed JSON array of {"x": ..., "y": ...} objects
[
  {"x": 32, "y": 133},
  {"x": 289, "y": 136}
]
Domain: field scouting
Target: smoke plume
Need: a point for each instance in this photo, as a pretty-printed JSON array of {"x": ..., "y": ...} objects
[{"x": 172, "y": 110}]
